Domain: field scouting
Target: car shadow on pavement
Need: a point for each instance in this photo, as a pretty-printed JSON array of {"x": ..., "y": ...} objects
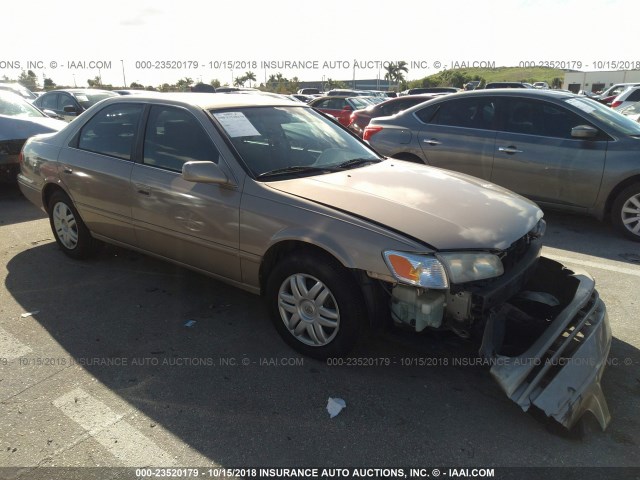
[{"x": 217, "y": 376}]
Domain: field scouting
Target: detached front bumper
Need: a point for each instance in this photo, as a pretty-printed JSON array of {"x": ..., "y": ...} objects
[{"x": 560, "y": 372}]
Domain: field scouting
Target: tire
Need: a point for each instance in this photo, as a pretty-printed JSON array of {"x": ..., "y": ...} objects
[
  {"x": 625, "y": 212},
  {"x": 315, "y": 305},
  {"x": 69, "y": 230}
]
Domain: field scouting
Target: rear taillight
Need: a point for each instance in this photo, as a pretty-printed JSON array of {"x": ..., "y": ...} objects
[
  {"x": 370, "y": 131},
  {"x": 616, "y": 104},
  {"x": 21, "y": 156}
]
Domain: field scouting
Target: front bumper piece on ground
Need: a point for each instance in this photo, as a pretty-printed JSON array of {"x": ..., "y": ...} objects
[{"x": 560, "y": 372}]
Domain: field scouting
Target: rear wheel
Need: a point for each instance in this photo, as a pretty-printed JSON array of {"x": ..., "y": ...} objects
[
  {"x": 625, "y": 212},
  {"x": 69, "y": 230},
  {"x": 315, "y": 305}
]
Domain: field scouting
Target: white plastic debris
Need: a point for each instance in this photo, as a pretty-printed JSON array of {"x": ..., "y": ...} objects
[
  {"x": 28, "y": 314},
  {"x": 335, "y": 406}
]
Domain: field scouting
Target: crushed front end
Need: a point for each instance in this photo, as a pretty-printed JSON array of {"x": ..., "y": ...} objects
[{"x": 543, "y": 327}]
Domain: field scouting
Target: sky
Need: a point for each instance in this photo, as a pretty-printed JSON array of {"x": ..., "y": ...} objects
[{"x": 153, "y": 42}]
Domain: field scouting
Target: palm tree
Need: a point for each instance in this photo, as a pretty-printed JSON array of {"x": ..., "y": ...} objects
[
  {"x": 249, "y": 76},
  {"x": 390, "y": 69},
  {"x": 399, "y": 71}
]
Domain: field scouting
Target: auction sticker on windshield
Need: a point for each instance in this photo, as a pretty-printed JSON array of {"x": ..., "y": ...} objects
[{"x": 236, "y": 124}]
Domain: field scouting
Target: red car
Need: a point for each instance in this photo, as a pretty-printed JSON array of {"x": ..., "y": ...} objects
[
  {"x": 340, "y": 107},
  {"x": 359, "y": 119}
]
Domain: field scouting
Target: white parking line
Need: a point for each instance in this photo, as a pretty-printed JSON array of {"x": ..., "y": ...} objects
[
  {"x": 11, "y": 347},
  {"x": 121, "y": 439},
  {"x": 602, "y": 266}
]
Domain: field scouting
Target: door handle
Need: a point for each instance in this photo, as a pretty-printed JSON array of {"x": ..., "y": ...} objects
[
  {"x": 432, "y": 141},
  {"x": 509, "y": 150},
  {"x": 143, "y": 189},
  {"x": 67, "y": 170}
]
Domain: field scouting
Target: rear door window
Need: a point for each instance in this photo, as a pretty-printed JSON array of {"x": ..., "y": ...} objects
[{"x": 111, "y": 131}]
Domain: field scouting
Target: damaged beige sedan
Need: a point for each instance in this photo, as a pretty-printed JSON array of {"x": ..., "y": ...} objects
[{"x": 275, "y": 198}]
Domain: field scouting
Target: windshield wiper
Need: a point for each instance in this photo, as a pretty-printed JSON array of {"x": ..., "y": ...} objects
[
  {"x": 355, "y": 162},
  {"x": 296, "y": 169}
]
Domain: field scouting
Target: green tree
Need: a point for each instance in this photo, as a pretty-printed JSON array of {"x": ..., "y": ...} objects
[
  {"x": 49, "y": 84},
  {"x": 28, "y": 79},
  {"x": 390, "y": 69},
  {"x": 400, "y": 70},
  {"x": 556, "y": 82},
  {"x": 135, "y": 85},
  {"x": 215, "y": 83},
  {"x": 184, "y": 83},
  {"x": 93, "y": 82},
  {"x": 250, "y": 77}
]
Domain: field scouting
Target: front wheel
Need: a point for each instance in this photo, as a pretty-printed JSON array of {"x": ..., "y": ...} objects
[
  {"x": 626, "y": 212},
  {"x": 315, "y": 305},
  {"x": 69, "y": 230}
]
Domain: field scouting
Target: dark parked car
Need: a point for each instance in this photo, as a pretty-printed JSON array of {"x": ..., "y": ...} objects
[
  {"x": 360, "y": 118},
  {"x": 340, "y": 107},
  {"x": 70, "y": 103},
  {"x": 19, "y": 120},
  {"x": 420, "y": 90},
  {"x": 268, "y": 195},
  {"x": 561, "y": 150}
]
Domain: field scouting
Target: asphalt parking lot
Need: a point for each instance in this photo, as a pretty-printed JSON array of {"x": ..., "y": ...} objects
[{"x": 128, "y": 361}]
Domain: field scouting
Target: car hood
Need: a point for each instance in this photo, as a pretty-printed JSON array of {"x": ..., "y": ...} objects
[
  {"x": 445, "y": 209},
  {"x": 18, "y": 128}
]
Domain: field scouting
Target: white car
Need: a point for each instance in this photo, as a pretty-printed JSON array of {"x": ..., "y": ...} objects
[
  {"x": 541, "y": 85},
  {"x": 627, "y": 97}
]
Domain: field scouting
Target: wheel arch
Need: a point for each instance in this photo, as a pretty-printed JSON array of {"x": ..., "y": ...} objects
[
  {"x": 408, "y": 157},
  {"x": 373, "y": 293},
  {"x": 48, "y": 190},
  {"x": 616, "y": 191}
]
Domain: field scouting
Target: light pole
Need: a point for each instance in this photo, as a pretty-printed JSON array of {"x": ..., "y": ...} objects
[{"x": 124, "y": 79}]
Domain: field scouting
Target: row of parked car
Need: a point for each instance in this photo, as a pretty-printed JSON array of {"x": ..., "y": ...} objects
[{"x": 548, "y": 145}]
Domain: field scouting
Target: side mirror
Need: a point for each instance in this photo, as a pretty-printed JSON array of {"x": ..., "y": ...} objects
[
  {"x": 348, "y": 108},
  {"x": 204, "y": 172},
  {"x": 70, "y": 109},
  {"x": 584, "y": 131},
  {"x": 52, "y": 114}
]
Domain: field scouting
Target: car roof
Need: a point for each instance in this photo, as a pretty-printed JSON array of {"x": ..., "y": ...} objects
[
  {"x": 520, "y": 92},
  {"x": 80, "y": 90},
  {"x": 208, "y": 100}
]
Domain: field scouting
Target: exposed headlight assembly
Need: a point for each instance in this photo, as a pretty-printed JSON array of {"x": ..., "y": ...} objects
[
  {"x": 436, "y": 271},
  {"x": 424, "y": 271},
  {"x": 465, "y": 267}
]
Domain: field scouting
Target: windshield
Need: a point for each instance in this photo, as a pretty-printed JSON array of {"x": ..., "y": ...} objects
[
  {"x": 89, "y": 99},
  {"x": 20, "y": 90},
  {"x": 606, "y": 115},
  {"x": 277, "y": 138},
  {"x": 13, "y": 105}
]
